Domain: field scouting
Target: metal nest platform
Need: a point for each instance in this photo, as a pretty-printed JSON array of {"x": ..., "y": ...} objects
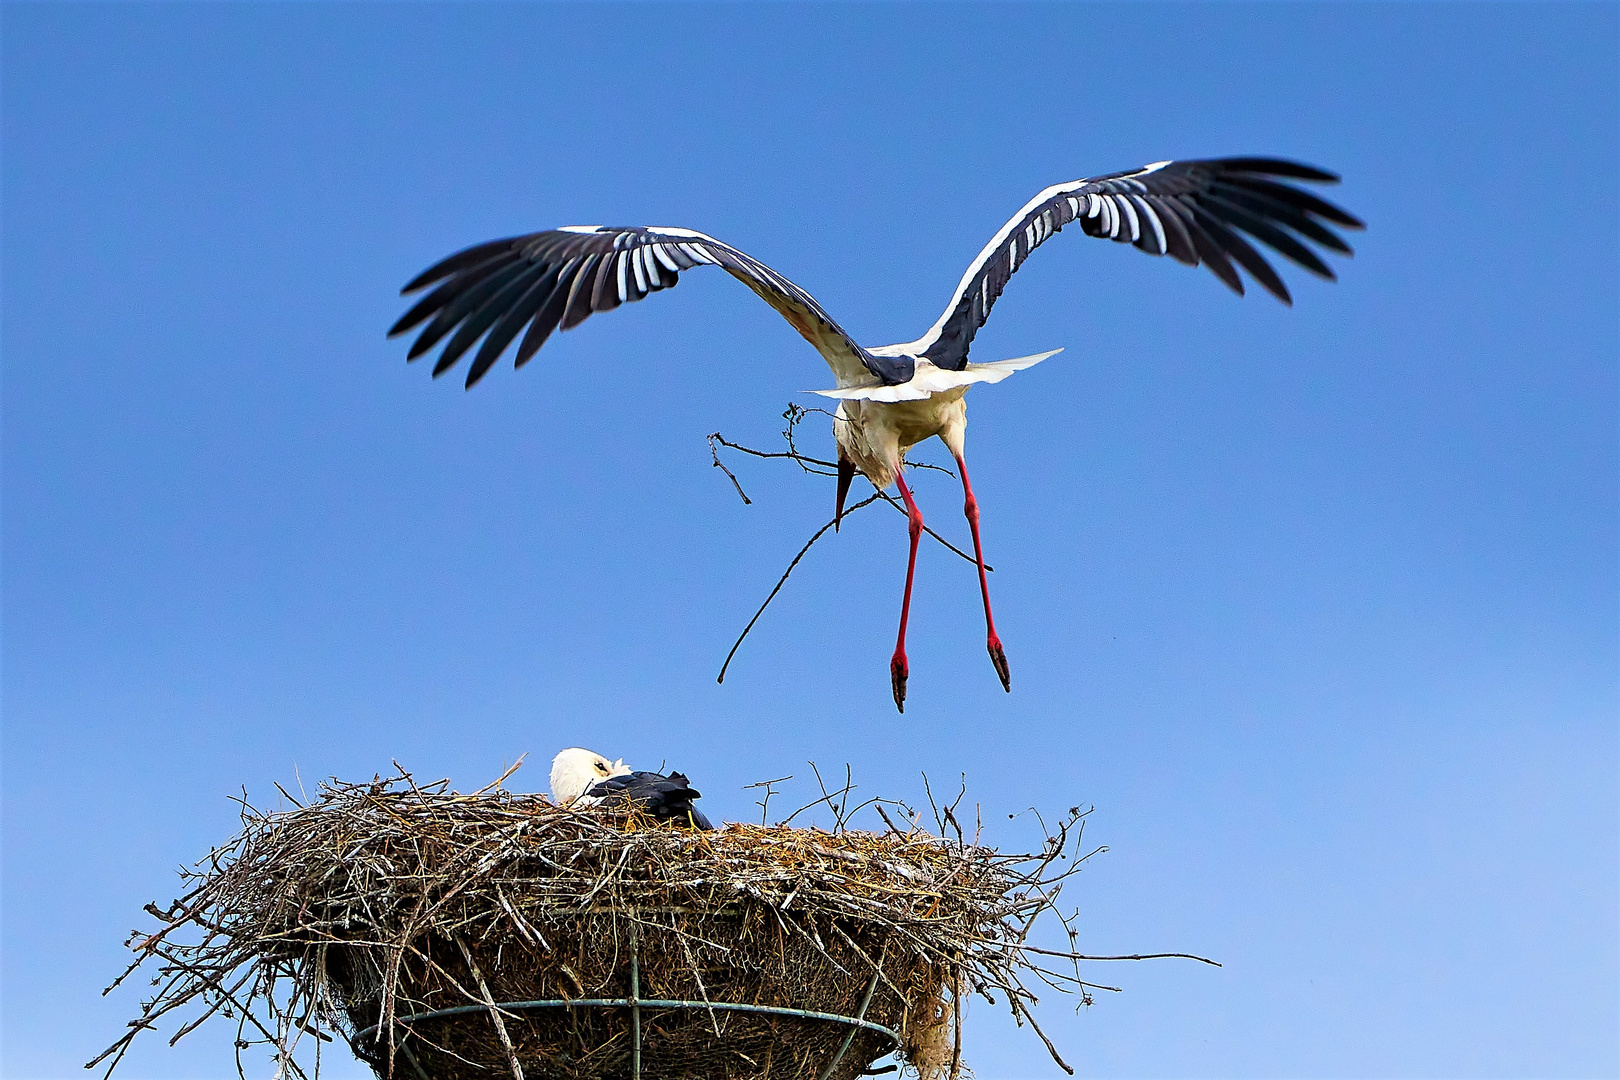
[
  {"x": 634, "y": 1007},
  {"x": 656, "y": 994}
]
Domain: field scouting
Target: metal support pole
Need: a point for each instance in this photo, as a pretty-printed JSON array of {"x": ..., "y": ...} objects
[
  {"x": 410, "y": 1057},
  {"x": 635, "y": 1003},
  {"x": 877, "y": 973}
]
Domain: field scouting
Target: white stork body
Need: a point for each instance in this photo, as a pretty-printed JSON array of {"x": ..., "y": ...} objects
[
  {"x": 875, "y": 435},
  {"x": 894, "y": 396}
]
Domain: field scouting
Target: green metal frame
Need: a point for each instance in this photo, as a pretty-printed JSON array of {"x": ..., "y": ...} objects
[{"x": 635, "y": 1003}]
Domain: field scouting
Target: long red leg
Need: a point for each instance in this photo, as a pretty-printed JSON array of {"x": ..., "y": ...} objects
[
  {"x": 898, "y": 669},
  {"x": 998, "y": 656}
]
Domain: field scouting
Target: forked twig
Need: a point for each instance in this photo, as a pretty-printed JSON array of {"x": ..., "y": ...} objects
[
  {"x": 715, "y": 454},
  {"x": 764, "y": 803},
  {"x": 803, "y": 460}
]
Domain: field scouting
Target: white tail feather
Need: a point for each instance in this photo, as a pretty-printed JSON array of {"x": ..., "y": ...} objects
[{"x": 930, "y": 380}]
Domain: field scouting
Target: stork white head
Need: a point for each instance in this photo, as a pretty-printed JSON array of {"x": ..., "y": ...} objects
[{"x": 576, "y": 770}]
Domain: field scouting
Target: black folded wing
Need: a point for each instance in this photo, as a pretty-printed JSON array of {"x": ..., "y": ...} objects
[
  {"x": 553, "y": 280},
  {"x": 668, "y": 798},
  {"x": 1193, "y": 211}
]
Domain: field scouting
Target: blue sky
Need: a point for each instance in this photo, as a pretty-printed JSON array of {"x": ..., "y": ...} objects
[{"x": 1318, "y": 607}]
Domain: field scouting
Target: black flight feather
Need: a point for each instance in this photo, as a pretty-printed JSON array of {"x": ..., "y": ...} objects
[
  {"x": 578, "y": 308},
  {"x": 545, "y": 321},
  {"x": 1284, "y": 214},
  {"x": 486, "y": 315},
  {"x": 461, "y": 260},
  {"x": 502, "y": 333},
  {"x": 1276, "y": 167},
  {"x": 1241, "y": 250},
  {"x": 1297, "y": 197}
]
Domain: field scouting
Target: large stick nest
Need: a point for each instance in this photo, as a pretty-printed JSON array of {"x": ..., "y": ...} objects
[{"x": 375, "y": 903}]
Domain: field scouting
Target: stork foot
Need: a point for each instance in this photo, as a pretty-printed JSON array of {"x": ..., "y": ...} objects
[
  {"x": 998, "y": 657},
  {"x": 898, "y": 673}
]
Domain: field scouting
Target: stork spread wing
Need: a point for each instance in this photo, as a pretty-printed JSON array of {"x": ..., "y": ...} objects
[
  {"x": 1190, "y": 210},
  {"x": 558, "y": 278}
]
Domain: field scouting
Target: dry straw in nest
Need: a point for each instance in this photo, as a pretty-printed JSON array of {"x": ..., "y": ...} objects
[{"x": 375, "y": 903}]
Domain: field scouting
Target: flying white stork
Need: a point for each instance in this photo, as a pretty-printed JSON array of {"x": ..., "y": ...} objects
[
  {"x": 584, "y": 778},
  {"x": 893, "y": 396}
]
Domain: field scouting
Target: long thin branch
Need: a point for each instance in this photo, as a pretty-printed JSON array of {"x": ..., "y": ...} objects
[
  {"x": 885, "y": 496},
  {"x": 783, "y": 581},
  {"x": 892, "y": 501},
  {"x": 1019, "y": 1007},
  {"x": 1133, "y": 956}
]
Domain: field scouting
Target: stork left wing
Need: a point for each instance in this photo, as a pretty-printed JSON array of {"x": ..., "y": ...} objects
[{"x": 1190, "y": 210}]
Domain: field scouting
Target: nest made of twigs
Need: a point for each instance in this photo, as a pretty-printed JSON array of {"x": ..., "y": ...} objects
[{"x": 377, "y": 903}]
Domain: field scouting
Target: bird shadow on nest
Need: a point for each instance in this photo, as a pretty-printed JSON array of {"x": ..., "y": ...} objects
[{"x": 794, "y": 415}]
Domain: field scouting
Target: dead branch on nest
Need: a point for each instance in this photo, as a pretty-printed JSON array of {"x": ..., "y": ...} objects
[{"x": 816, "y": 467}]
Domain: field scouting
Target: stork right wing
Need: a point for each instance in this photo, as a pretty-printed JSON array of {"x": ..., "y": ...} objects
[{"x": 557, "y": 279}]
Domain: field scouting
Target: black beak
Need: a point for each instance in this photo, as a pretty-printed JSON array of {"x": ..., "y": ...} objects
[{"x": 846, "y": 473}]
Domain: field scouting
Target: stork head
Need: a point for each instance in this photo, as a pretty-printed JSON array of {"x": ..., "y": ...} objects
[{"x": 576, "y": 770}]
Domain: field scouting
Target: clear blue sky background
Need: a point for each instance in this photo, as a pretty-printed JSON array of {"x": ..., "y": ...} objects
[{"x": 1318, "y": 606}]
